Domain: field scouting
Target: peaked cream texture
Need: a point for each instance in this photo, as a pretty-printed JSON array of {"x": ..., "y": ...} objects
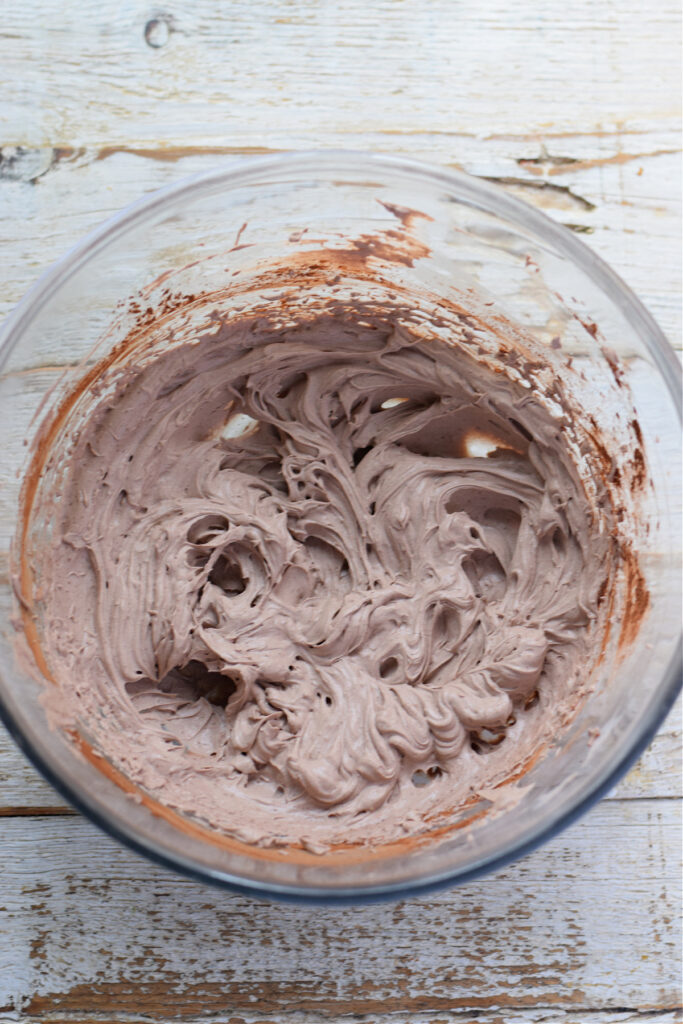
[{"x": 319, "y": 575}]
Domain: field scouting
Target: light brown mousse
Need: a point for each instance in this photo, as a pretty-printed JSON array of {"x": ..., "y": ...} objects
[{"x": 314, "y": 583}]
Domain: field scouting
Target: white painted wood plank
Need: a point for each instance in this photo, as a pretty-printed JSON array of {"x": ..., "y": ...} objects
[
  {"x": 264, "y": 71},
  {"x": 577, "y": 109},
  {"x": 536, "y": 94},
  {"x": 588, "y": 922},
  {"x": 628, "y": 212},
  {"x": 532, "y": 1015}
]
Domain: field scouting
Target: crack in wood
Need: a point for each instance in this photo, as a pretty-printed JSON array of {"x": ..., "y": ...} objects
[
  {"x": 580, "y": 229},
  {"x": 542, "y": 186},
  {"x": 171, "y": 154},
  {"x": 549, "y": 164},
  {"x": 38, "y": 812},
  {"x": 220, "y": 1000},
  {"x": 100, "y": 997}
]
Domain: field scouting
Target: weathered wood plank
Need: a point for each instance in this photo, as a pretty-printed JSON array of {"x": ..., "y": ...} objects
[
  {"x": 265, "y": 71},
  {"x": 575, "y": 109},
  {"x": 169, "y": 94},
  {"x": 532, "y": 1015},
  {"x": 628, "y": 212},
  {"x": 588, "y": 922}
]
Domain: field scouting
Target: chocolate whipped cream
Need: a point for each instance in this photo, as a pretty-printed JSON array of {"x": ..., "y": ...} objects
[{"x": 313, "y": 583}]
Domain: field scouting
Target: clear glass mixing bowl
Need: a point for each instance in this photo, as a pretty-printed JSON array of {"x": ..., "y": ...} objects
[{"x": 201, "y": 236}]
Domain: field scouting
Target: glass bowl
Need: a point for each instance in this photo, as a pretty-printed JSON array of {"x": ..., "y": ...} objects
[{"x": 387, "y": 225}]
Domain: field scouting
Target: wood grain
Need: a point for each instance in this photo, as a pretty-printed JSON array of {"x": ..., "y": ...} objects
[
  {"x": 628, "y": 212},
  {"x": 266, "y": 73},
  {"x": 530, "y": 1015},
  {"x": 574, "y": 108},
  {"x": 536, "y": 98},
  {"x": 94, "y": 929}
]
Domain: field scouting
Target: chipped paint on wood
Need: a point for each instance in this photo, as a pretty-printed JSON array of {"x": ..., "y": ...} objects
[
  {"x": 104, "y": 103},
  {"x": 531, "y": 1015},
  {"x": 631, "y": 219},
  {"x": 557, "y": 928}
]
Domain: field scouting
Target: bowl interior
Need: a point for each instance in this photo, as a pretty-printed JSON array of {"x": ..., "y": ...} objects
[{"x": 299, "y": 228}]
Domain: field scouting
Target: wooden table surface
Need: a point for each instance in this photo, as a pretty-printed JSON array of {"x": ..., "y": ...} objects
[{"x": 576, "y": 109}]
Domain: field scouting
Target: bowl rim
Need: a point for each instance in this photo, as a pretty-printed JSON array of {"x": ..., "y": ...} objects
[{"x": 470, "y": 190}]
